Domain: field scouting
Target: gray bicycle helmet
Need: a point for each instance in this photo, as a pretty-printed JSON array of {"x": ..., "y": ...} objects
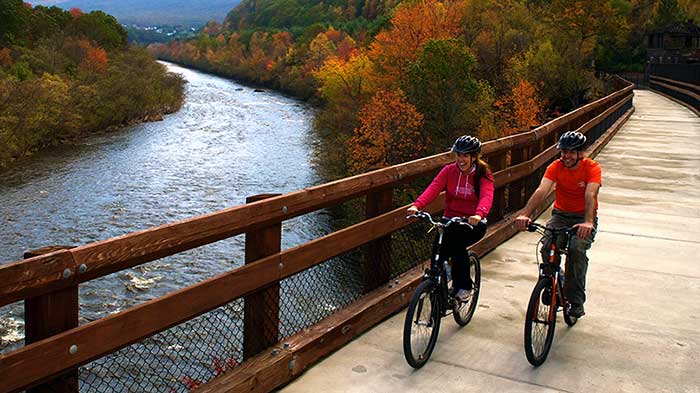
[
  {"x": 466, "y": 144},
  {"x": 572, "y": 140}
]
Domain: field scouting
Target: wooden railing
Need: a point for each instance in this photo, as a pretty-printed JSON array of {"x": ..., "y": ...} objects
[
  {"x": 687, "y": 94},
  {"x": 48, "y": 283}
]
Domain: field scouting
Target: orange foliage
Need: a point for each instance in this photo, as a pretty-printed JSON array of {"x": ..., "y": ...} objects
[
  {"x": 333, "y": 35},
  {"x": 522, "y": 109},
  {"x": 76, "y": 12},
  {"x": 412, "y": 26},
  {"x": 346, "y": 48},
  {"x": 95, "y": 60},
  {"x": 389, "y": 133},
  {"x": 6, "y": 57}
]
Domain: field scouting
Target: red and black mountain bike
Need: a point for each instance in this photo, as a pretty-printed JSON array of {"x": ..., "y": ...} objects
[{"x": 549, "y": 295}]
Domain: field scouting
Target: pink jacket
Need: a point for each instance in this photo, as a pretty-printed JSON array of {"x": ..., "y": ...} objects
[{"x": 460, "y": 199}]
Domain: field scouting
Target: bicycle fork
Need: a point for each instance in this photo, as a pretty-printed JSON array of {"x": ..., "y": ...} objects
[{"x": 555, "y": 279}]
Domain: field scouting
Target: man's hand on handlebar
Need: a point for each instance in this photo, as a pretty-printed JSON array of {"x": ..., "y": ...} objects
[
  {"x": 584, "y": 229},
  {"x": 522, "y": 222}
]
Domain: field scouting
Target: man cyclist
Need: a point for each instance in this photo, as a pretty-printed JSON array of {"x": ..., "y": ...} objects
[{"x": 577, "y": 180}]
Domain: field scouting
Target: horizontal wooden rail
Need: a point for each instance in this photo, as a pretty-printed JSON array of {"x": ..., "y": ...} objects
[
  {"x": 686, "y": 94},
  {"x": 108, "y": 334},
  {"x": 694, "y": 88},
  {"x": 42, "y": 274},
  {"x": 66, "y": 268}
]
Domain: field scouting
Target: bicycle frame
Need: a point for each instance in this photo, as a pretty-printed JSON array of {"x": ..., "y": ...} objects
[
  {"x": 438, "y": 273},
  {"x": 438, "y": 264},
  {"x": 552, "y": 267}
]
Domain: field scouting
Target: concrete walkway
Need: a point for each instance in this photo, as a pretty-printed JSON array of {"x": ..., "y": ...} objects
[{"x": 641, "y": 332}]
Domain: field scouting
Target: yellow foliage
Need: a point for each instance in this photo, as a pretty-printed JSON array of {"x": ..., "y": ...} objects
[{"x": 342, "y": 82}]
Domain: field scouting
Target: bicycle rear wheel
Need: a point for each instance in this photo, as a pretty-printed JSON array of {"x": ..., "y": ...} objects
[
  {"x": 422, "y": 325},
  {"x": 464, "y": 311},
  {"x": 540, "y": 321}
]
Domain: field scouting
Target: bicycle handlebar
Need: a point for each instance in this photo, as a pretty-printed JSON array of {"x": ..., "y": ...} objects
[
  {"x": 454, "y": 220},
  {"x": 534, "y": 227}
]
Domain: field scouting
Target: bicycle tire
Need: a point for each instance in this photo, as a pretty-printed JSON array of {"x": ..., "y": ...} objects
[
  {"x": 540, "y": 323},
  {"x": 463, "y": 312},
  {"x": 422, "y": 325}
]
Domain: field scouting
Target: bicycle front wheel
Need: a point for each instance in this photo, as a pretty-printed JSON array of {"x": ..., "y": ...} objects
[
  {"x": 464, "y": 311},
  {"x": 420, "y": 330},
  {"x": 540, "y": 321}
]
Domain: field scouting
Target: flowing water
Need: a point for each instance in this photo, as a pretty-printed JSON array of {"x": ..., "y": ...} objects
[{"x": 227, "y": 142}]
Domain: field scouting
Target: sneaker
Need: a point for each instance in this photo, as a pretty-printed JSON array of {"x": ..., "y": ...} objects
[
  {"x": 463, "y": 295},
  {"x": 576, "y": 310}
]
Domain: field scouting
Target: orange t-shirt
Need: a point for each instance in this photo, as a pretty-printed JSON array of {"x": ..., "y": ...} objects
[{"x": 571, "y": 184}]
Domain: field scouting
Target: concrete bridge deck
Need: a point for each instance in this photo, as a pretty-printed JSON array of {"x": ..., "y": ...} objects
[{"x": 641, "y": 330}]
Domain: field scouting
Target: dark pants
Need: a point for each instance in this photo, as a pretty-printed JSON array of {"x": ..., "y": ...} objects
[
  {"x": 454, "y": 245},
  {"x": 577, "y": 261}
]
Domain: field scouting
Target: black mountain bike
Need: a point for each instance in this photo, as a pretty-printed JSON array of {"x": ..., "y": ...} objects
[
  {"x": 548, "y": 297},
  {"x": 433, "y": 299}
]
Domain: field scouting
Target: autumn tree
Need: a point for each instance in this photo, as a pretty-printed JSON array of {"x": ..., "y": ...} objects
[
  {"x": 6, "y": 57},
  {"x": 413, "y": 24},
  {"x": 94, "y": 61},
  {"x": 497, "y": 31},
  {"x": 389, "y": 133},
  {"x": 520, "y": 110},
  {"x": 344, "y": 84}
]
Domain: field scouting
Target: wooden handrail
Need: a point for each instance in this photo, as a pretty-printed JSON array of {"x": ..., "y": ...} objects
[
  {"x": 44, "y": 274},
  {"x": 695, "y": 88}
]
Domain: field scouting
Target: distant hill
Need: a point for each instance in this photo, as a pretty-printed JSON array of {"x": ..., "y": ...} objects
[{"x": 194, "y": 13}]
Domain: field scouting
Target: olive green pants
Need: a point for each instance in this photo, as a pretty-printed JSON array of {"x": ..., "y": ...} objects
[{"x": 577, "y": 260}]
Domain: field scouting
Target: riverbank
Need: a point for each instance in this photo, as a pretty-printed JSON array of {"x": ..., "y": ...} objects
[{"x": 41, "y": 112}]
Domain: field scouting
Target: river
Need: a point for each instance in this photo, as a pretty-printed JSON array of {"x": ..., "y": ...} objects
[{"x": 228, "y": 142}]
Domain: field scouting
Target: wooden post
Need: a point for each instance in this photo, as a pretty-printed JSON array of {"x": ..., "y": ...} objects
[
  {"x": 497, "y": 163},
  {"x": 377, "y": 264},
  {"x": 515, "y": 188},
  {"x": 48, "y": 315},
  {"x": 261, "y": 309}
]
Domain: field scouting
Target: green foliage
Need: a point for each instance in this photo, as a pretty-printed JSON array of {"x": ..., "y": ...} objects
[
  {"x": 21, "y": 70},
  {"x": 441, "y": 86},
  {"x": 101, "y": 28},
  {"x": 13, "y": 18},
  {"x": 668, "y": 12}
]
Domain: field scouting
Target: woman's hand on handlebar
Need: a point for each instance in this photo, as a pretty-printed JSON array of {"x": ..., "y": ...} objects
[
  {"x": 473, "y": 220},
  {"x": 522, "y": 222},
  {"x": 413, "y": 209}
]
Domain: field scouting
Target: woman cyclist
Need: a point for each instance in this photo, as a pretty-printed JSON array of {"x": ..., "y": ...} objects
[{"x": 468, "y": 183}]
